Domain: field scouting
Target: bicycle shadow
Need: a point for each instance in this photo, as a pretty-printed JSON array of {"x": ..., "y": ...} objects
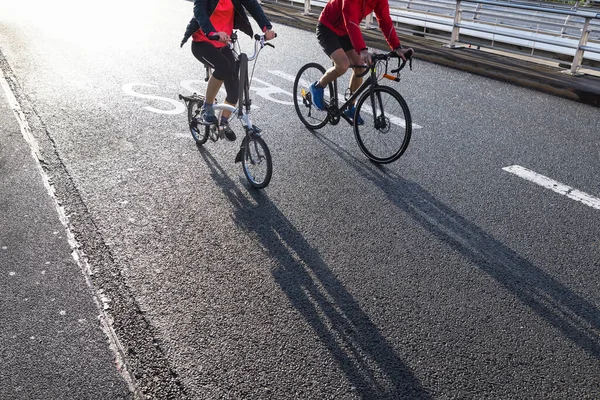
[
  {"x": 368, "y": 361},
  {"x": 577, "y": 318}
]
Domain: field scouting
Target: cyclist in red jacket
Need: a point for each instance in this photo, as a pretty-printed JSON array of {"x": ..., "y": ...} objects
[{"x": 339, "y": 34}]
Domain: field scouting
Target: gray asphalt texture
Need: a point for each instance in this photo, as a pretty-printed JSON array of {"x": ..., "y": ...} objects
[
  {"x": 439, "y": 276},
  {"x": 52, "y": 345}
]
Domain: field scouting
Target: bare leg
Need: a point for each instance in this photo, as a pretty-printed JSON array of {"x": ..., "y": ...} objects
[
  {"x": 211, "y": 93},
  {"x": 227, "y": 113},
  {"x": 355, "y": 59},
  {"x": 212, "y": 89},
  {"x": 340, "y": 66}
]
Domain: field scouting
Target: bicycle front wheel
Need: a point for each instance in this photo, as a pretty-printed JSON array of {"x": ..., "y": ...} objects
[
  {"x": 387, "y": 127},
  {"x": 199, "y": 131},
  {"x": 256, "y": 161},
  {"x": 309, "y": 114}
]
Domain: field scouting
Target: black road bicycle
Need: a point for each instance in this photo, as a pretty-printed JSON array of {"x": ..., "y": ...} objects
[
  {"x": 253, "y": 153},
  {"x": 387, "y": 127}
]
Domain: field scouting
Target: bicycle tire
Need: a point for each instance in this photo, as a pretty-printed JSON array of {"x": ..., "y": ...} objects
[
  {"x": 195, "y": 126},
  {"x": 387, "y": 120},
  {"x": 311, "y": 116},
  {"x": 256, "y": 161}
]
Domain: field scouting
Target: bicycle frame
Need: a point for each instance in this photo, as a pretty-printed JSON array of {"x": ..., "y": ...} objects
[
  {"x": 243, "y": 109},
  {"x": 381, "y": 106},
  {"x": 369, "y": 83},
  {"x": 338, "y": 111},
  {"x": 254, "y": 154}
]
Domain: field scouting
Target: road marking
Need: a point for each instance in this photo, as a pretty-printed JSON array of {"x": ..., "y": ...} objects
[
  {"x": 77, "y": 254},
  {"x": 555, "y": 186},
  {"x": 393, "y": 119},
  {"x": 178, "y": 106},
  {"x": 267, "y": 90}
]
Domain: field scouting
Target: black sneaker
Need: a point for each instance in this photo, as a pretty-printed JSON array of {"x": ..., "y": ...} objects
[{"x": 229, "y": 133}]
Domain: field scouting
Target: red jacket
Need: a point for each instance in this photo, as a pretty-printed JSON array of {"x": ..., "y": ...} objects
[
  {"x": 344, "y": 17},
  {"x": 221, "y": 19}
]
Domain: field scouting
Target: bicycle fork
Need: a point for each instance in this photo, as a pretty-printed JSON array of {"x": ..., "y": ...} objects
[
  {"x": 251, "y": 130},
  {"x": 380, "y": 121}
]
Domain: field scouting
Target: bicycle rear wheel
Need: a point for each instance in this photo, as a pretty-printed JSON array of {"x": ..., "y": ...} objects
[
  {"x": 199, "y": 132},
  {"x": 309, "y": 114},
  {"x": 387, "y": 127},
  {"x": 256, "y": 161}
]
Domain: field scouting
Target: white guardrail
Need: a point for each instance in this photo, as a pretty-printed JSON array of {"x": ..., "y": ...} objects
[{"x": 540, "y": 30}]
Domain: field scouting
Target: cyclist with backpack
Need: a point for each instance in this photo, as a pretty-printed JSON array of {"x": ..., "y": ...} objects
[
  {"x": 339, "y": 34},
  {"x": 218, "y": 18}
]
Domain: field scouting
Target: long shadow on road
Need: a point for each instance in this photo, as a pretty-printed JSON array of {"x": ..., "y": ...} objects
[
  {"x": 577, "y": 318},
  {"x": 368, "y": 361}
]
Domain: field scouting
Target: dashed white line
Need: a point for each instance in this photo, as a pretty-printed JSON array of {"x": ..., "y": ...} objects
[{"x": 553, "y": 185}]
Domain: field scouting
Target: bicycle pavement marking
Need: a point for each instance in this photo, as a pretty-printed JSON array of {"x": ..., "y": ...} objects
[{"x": 267, "y": 91}]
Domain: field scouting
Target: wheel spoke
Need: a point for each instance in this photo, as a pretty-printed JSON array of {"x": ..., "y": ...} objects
[
  {"x": 198, "y": 131},
  {"x": 256, "y": 162},
  {"x": 309, "y": 114}
]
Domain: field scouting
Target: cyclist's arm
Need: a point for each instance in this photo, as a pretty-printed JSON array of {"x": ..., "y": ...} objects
[
  {"x": 202, "y": 17},
  {"x": 351, "y": 11},
  {"x": 258, "y": 14},
  {"x": 386, "y": 25}
]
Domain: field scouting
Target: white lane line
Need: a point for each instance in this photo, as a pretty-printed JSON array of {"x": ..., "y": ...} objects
[
  {"x": 555, "y": 186},
  {"x": 106, "y": 321},
  {"x": 395, "y": 120}
]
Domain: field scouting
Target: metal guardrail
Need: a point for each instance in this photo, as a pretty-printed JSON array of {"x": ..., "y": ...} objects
[
  {"x": 551, "y": 32},
  {"x": 580, "y": 48}
]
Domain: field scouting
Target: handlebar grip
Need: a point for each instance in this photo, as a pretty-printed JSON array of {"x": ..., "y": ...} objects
[
  {"x": 257, "y": 36},
  {"x": 401, "y": 65},
  {"x": 232, "y": 37}
]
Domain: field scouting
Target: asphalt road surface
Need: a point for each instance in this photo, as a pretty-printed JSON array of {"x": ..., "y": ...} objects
[{"x": 442, "y": 275}]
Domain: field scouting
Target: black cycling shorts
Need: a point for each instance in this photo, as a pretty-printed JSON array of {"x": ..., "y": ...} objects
[
  {"x": 224, "y": 66},
  {"x": 330, "y": 42}
]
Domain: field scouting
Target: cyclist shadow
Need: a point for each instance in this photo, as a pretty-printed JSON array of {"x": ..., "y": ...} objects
[
  {"x": 353, "y": 340},
  {"x": 577, "y": 318}
]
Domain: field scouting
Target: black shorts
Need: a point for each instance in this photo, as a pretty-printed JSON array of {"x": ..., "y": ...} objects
[
  {"x": 224, "y": 66},
  {"x": 330, "y": 42}
]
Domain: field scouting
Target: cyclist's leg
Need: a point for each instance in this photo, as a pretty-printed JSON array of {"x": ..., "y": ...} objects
[
  {"x": 341, "y": 63},
  {"x": 231, "y": 81},
  {"x": 355, "y": 81},
  {"x": 331, "y": 45},
  {"x": 212, "y": 89},
  {"x": 212, "y": 57},
  {"x": 334, "y": 46},
  {"x": 355, "y": 59}
]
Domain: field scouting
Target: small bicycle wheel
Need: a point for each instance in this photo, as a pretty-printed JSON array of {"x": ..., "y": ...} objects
[
  {"x": 309, "y": 114},
  {"x": 256, "y": 161},
  {"x": 387, "y": 127},
  {"x": 199, "y": 132}
]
